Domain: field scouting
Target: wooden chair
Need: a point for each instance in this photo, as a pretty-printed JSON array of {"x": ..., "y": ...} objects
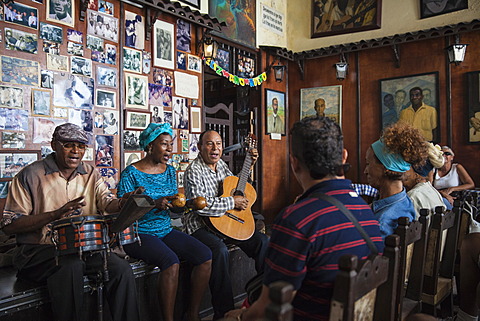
[
  {"x": 439, "y": 267},
  {"x": 413, "y": 245},
  {"x": 281, "y": 295},
  {"x": 366, "y": 290}
]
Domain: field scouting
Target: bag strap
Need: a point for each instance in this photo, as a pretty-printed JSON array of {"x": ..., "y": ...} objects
[{"x": 349, "y": 215}]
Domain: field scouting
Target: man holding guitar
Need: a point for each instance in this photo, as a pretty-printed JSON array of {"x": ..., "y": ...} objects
[{"x": 204, "y": 177}]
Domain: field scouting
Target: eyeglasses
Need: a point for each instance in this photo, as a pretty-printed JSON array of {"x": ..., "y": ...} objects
[
  {"x": 447, "y": 154},
  {"x": 71, "y": 145}
]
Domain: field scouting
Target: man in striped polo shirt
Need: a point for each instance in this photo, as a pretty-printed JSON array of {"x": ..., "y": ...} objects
[{"x": 310, "y": 236}]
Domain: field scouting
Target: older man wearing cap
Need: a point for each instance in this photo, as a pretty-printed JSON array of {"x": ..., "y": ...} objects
[{"x": 50, "y": 189}]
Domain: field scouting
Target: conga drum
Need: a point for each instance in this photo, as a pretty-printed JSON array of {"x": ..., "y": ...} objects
[
  {"x": 127, "y": 236},
  {"x": 79, "y": 234}
]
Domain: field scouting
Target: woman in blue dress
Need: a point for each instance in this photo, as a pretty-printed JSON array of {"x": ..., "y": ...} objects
[{"x": 161, "y": 245}]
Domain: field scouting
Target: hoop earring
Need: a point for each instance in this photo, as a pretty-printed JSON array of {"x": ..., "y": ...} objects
[{"x": 149, "y": 150}]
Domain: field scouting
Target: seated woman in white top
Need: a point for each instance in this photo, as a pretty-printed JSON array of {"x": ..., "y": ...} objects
[
  {"x": 419, "y": 188},
  {"x": 451, "y": 177}
]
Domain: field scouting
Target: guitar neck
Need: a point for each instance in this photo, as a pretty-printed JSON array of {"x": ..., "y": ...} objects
[{"x": 243, "y": 176}]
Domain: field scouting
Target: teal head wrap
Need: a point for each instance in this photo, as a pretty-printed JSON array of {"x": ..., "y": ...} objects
[
  {"x": 152, "y": 132},
  {"x": 391, "y": 161}
]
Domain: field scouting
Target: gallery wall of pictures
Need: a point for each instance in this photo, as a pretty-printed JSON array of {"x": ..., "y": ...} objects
[{"x": 55, "y": 68}]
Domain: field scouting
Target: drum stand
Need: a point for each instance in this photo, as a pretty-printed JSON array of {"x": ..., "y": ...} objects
[{"x": 99, "y": 277}]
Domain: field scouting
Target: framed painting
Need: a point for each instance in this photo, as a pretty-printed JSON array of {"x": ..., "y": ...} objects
[
  {"x": 276, "y": 112},
  {"x": 12, "y": 162},
  {"x": 322, "y": 101},
  {"x": 136, "y": 88},
  {"x": 473, "y": 81},
  {"x": 430, "y": 8},
  {"x": 395, "y": 102},
  {"x": 61, "y": 11},
  {"x": 163, "y": 45},
  {"x": 137, "y": 120},
  {"x": 240, "y": 17},
  {"x": 331, "y": 17}
]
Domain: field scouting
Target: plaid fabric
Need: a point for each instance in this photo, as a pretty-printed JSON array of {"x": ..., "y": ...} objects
[
  {"x": 201, "y": 180},
  {"x": 365, "y": 189}
]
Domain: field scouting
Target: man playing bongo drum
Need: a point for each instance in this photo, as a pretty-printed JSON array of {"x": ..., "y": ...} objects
[{"x": 53, "y": 188}]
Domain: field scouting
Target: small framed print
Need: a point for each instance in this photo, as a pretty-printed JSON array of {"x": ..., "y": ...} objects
[
  {"x": 105, "y": 98},
  {"x": 61, "y": 11},
  {"x": 136, "y": 87},
  {"x": 51, "y": 32},
  {"x": 131, "y": 157},
  {"x": 106, "y": 76},
  {"x": 41, "y": 102},
  {"x": 11, "y": 97},
  {"x": 195, "y": 119},
  {"x": 134, "y": 30},
  {"x": 12, "y": 162},
  {"x": 60, "y": 112},
  {"x": 137, "y": 120},
  {"x": 180, "y": 176},
  {"x": 21, "y": 41},
  {"x": 21, "y": 14},
  {"x": 132, "y": 60},
  {"x": 163, "y": 45},
  {"x": 131, "y": 141},
  {"x": 81, "y": 66},
  {"x": 102, "y": 25},
  {"x": 74, "y": 35},
  {"x": 57, "y": 62},
  {"x": 194, "y": 63}
]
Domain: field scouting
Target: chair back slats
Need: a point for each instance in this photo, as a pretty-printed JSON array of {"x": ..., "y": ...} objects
[
  {"x": 365, "y": 290},
  {"x": 281, "y": 296}
]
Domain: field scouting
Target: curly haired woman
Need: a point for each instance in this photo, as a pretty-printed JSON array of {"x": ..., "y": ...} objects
[{"x": 400, "y": 147}]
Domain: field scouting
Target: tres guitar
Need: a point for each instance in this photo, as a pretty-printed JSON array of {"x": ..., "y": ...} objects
[{"x": 236, "y": 224}]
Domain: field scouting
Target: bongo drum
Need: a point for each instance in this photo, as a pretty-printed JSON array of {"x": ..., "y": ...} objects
[
  {"x": 79, "y": 234},
  {"x": 127, "y": 236}
]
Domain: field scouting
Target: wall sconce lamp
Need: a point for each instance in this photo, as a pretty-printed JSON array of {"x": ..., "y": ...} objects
[
  {"x": 341, "y": 68},
  {"x": 279, "y": 72},
  {"x": 209, "y": 46},
  {"x": 456, "y": 52}
]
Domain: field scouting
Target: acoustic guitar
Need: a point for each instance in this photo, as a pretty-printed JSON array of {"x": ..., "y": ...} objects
[{"x": 236, "y": 224}]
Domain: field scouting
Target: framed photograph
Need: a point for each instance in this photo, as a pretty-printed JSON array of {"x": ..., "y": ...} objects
[
  {"x": 473, "y": 81},
  {"x": 245, "y": 66},
  {"x": 334, "y": 18},
  {"x": 12, "y": 162},
  {"x": 51, "y": 47},
  {"x": 111, "y": 56},
  {"x": 82, "y": 118},
  {"x": 60, "y": 112},
  {"x": 157, "y": 114},
  {"x": 110, "y": 122},
  {"x": 194, "y": 63},
  {"x": 242, "y": 30},
  {"x": 163, "y": 77},
  {"x": 109, "y": 176},
  {"x": 131, "y": 140},
  {"x": 20, "y": 71},
  {"x": 104, "y": 150},
  {"x": 102, "y": 25},
  {"x": 105, "y": 98},
  {"x": 81, "y": 66},
  {"x": 195, "y": 119},
  {"x": 106, "y": 76},
  {"x": 136, "y": 88},
  {"x": 21, "y": 14},
  {"x": 132, "y": 60},
  {"x": 43, "y": 129},
  {"x": 74, "y": 35},
  {"x": 105, "y": 7},
  {"x": 180, "y": 112},
  {"x": 193, "y": 3},
  {"x": 137, "y": 120},
  {"x": 181, "y": 60},
  {"x": 95, "y": 43},
  {"x": 75, "y": 49},
  {"x": 41, "y": 101},
  {"x": 276, "y": 112},
  {"x": 51, "y": 33},
  {"x": 72, "y": 91},
  {"x": 61, "y": 11},
  {"x": 14, "y": 140},
  {"x": 11, "y": 97},
  {"x": 430, "y": 8},
  {"x": 21, "y": 41},
  {"x": 131, "y": 157},
  {"x": 180, "y": 176},
  {"x": 396, "y": 102},
  {"x": 184, "y": 36},
  {"x": 147, "y": 62},
  {"x": 57, "y": 62},
  {"x": 134, "y": 30},
  {"x": 223, "y": 58},
  {"x": 4, "y": 189},
  {"x": 159, "y": 95},
  {"x": 92, "y": 4},
  {"x": 163, "y": 46},
  {"x": 322, "y": 101},
  {"x": 16, "y": 119}
]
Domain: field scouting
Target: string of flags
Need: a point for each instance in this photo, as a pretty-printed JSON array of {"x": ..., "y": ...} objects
[{"x": 241, "y": 81}]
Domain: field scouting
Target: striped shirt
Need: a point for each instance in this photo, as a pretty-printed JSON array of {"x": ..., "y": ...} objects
[
  {"x": 201, "y": 180},
  {"x": 309, "y": 237},
  {"x": 40, "y": 188}
]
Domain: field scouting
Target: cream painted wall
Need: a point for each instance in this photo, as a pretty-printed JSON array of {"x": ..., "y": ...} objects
[{"x": 398, "y": 16}]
